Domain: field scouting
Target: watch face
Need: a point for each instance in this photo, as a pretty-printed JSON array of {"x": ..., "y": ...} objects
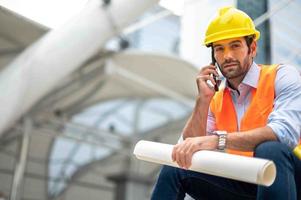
[{"x": 221, "y": 132}]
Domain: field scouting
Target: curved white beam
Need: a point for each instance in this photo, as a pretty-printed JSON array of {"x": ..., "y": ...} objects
[{"x": 47, "y": 62}]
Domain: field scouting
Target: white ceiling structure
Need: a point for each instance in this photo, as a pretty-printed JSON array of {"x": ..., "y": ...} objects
[
  {"x": 81, "y": 130},
  {"x": 12, "y": 41}
]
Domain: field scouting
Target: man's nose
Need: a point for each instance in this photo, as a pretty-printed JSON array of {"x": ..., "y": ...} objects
[{"x": 228, "y": 54}]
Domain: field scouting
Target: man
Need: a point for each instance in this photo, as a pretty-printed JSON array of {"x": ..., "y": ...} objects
[{"x": 258, "y": 113}]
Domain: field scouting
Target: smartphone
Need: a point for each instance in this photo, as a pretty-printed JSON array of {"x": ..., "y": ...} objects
[{"x": 213, "y": 62}]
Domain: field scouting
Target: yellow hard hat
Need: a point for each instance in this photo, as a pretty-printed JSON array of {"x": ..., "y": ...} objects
[{"x": 230, "y": 23}]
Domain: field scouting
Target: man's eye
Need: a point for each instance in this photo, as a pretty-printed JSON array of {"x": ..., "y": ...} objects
[
  {"x": 218, "y": 48},
  {"x": 235, "y": 46}
]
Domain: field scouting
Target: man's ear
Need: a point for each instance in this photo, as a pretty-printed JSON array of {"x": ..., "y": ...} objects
[{"x": 253, "y": 48}]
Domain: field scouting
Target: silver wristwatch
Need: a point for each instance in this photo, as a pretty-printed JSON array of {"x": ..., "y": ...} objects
[{"x": 222, "y": 138}]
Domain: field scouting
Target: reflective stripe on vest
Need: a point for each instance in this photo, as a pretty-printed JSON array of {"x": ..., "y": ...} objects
[{"x": 261, "y": 105}]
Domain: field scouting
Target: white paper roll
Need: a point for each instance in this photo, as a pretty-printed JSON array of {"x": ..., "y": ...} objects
[{"x": 252, "y": 170}]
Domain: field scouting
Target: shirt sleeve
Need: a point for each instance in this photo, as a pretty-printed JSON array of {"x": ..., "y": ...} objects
[
  {"x": 285, "y": 119},
  {"x": 211, "y": 123}
]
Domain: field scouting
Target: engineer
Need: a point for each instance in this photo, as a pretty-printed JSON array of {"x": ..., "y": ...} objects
[{"x": 257, "y": 113}]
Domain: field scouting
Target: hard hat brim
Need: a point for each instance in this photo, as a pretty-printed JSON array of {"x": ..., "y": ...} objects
[{"x": 230, "y": 34}]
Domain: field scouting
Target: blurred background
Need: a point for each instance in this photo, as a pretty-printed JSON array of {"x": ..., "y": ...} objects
[{"x": 82, "y": 81}]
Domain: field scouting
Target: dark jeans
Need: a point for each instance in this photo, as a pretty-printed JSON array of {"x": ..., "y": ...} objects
[{"x": 173, "y": 183}]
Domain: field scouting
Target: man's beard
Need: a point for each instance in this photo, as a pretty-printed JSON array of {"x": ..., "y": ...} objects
[{"x": 237, "y": 70}]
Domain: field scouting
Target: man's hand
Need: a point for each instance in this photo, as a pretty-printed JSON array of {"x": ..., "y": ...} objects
[
  {"x": 182, "y": 152},
  {"x": 204, "y": 75}
]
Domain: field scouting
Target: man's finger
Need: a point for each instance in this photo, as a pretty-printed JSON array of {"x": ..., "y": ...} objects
[
  {"x": 212, "y": 67},
  {"x": 174, "y": 152},
  {"x": 209, "y": 71},
  {"x": 181, "y": 158},
  {"x": 189, "y": 156}
]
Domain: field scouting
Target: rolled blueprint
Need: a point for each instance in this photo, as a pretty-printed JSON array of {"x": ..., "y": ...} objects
[{"x": 247, "y": 169}]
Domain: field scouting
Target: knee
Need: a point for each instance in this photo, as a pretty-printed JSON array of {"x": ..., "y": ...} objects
[
  {"x": 272, "y": 150},
  {"x": 168, "y": 173}
]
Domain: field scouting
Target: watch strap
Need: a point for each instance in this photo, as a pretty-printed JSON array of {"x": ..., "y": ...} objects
[{"x": 222, "y": 139}]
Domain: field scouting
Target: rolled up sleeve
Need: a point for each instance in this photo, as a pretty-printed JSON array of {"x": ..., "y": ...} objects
[{"x": 285, "y": 119}]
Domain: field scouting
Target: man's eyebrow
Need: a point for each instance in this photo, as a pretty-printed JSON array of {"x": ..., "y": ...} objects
[
  {"x": 235, "y": 41},
  {"x": 217, "y": 45}
]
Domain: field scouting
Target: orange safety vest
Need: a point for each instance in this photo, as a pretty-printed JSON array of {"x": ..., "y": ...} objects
[{"x": 260, "y": 107}]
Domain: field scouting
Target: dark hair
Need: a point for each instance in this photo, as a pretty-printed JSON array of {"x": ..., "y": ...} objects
[{"x": 249, "y": 39}]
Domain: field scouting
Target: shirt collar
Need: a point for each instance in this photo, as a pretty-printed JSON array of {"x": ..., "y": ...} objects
[{"x": 252, "y": 76}]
